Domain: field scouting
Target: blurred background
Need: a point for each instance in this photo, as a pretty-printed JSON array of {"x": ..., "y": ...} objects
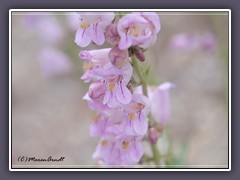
[{"x": 49, "y": 117}]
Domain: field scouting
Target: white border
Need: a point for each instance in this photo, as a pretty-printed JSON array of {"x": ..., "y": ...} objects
[{"x": 118, "y": 10}]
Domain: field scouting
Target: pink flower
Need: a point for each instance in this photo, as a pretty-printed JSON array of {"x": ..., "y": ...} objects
[
  {"x": 126, "y": 151},
  {"x": 135, "y": 122},
  {"x": 159, "y": 101},
  {"x": 96, "y": 104},
  {"x": 99, "y": 125},
  {"x": 118, "y": 57},
  {"x": 112, "y": 35},
  {"x": 138, "y": 29},
  {"x": 95, "y": 59},
  {"x": 54, "y": 62},
  {"x": 92, "y": 27},
  {"x": 112, "y": 86}
]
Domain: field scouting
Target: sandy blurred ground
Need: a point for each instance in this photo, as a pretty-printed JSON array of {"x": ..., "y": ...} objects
[{"x": 49, "y": 117}]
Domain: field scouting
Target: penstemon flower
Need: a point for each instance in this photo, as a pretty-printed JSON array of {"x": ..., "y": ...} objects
[
  {"x": 122, "y": 118},
  {"x": 124, "y": 151},
  {"x": 138, "y": 29},
  {"x": 92, "y": 27}
]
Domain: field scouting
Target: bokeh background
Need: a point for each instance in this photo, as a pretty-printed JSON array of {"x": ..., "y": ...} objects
[{"x": 49, "y": 117}]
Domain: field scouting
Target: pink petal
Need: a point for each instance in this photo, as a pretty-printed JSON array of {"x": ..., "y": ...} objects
[
  {"x": 96, "y": 91},
  {"x": 154, "y": 19},
  {"x": 97, "y": 34},
  {"x": 113, "y": 103},
  {"x": 160, "y": 108},
  {"x": 106, "y": 97},
  {"x": 82, "y": 37},
  {"x": 136, "y": 151},
  {"x": 117, "y": 56},
  {"x": 140, "y": 125},
  {"x": 127, "y": 71},
  {"x": 123, "y": 94},
  {"x": 125, "y": 42}
]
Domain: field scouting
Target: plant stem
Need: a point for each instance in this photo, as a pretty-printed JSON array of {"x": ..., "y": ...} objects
[
  {"x": 156, "y": 154},
  {"x": 140, "y": 75}
]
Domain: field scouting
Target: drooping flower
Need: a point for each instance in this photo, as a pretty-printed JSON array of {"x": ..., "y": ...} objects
[
  {"x": 92, "y": 27},
  {"x": 138, "y": 29},
  {"x": 100, "y": 124},
  {"x": 113, "y": 85},
  {"x": 121, "y": 152},
  {"x": 159, "y": 102},
  {"x": 135, "y": 122},
  {"x": 118, "y": 57},
  {"x": 112, "y": 35},
  {"x": 94, "y": 59}
]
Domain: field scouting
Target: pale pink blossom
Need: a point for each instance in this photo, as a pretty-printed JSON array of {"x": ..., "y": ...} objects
[
  {"x": 112, "y": 89},
  {"x": 126, "y": 151},
  {"x": 135, "y": 121},
  {"x": 95, "y": 60},
  {"x": 118, "y": 57},
  {"x": 92, "y": 27},
  {"x": 138, "y": 29},
  {"x": 159, "y": 101},
  {"x": 112, "y": 35}
]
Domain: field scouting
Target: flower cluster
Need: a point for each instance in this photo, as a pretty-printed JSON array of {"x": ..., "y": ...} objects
[{"x": 121, "y": 118}]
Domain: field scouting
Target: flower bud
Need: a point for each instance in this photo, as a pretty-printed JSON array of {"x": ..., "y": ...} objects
[
  {"x": 112, "y": 35},
  {"x": 140, "y": 55},
  {"x": 153, "y": 135}
]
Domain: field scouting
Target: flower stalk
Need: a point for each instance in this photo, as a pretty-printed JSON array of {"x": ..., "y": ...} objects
[{"x": 136, "y": 66}]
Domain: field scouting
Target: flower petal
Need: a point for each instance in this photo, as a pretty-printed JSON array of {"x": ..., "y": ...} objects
[
  {"x": 136, "y": 151},
  {"x": 125, "y": 42},
  {"x": 123, "y": 94},
  {"x": 97, "y": 34},
  {"x": 160, "y": 108},
  {"x": 82, "y": 37},
  {"x": 117, "y": 56},
  {"x": 140, "y": 125}
]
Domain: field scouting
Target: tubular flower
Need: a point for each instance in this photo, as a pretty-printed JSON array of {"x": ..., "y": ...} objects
[
  {"x": 138, "y": 29},
  {"x": 125, "y": 151},
  {"x": 92, "y": 27}
]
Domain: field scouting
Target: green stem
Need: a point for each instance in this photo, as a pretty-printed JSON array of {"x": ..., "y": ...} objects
[
  {"x": 140, "y": 75},
  {"x": 156, "y": 154},
  {"x": 136, "y": 65}
]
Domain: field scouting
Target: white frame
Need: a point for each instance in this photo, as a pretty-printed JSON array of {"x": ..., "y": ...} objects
[{"x": 116, "y": 10}]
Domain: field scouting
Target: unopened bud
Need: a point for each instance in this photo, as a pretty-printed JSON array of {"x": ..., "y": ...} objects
[
  {"x": 153, "y": 135},
  {"x": 140, "y": 55},
  {"x": 112, "y": 35}
]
